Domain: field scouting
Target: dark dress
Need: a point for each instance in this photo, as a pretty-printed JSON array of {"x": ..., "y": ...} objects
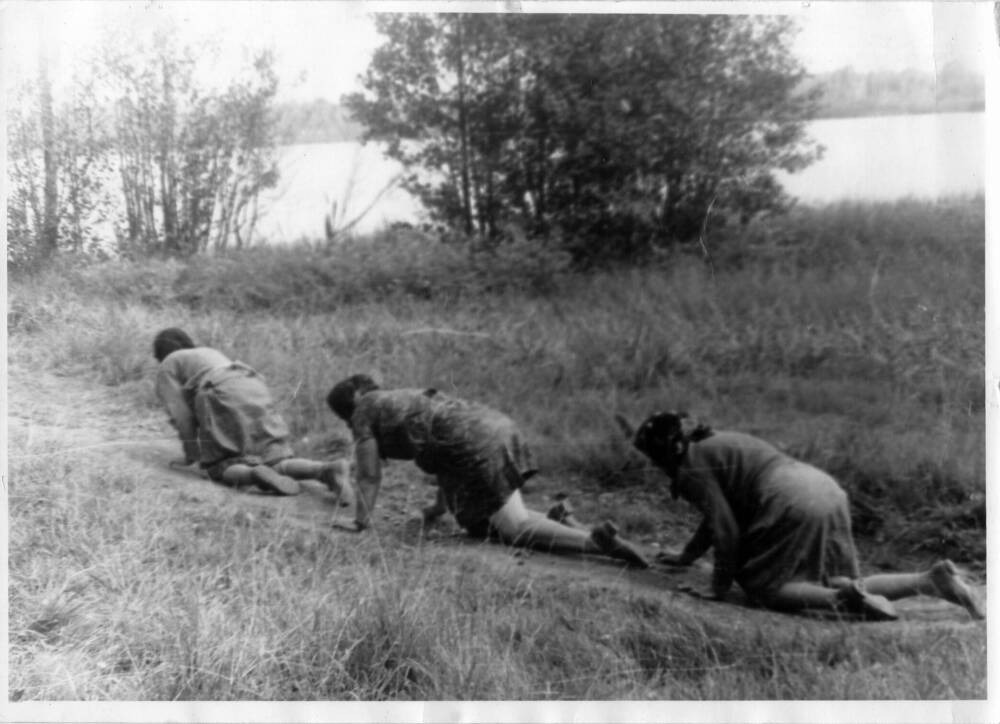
[
  {"x": 223, "y": 410},
  {"x": 771, "y": 519},
  {"x": 476, "y": 453}
]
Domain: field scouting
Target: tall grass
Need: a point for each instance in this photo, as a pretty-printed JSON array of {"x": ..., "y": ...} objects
[
  {"x": 852, "y": 336},
  {"x": 120, "y": 591}
]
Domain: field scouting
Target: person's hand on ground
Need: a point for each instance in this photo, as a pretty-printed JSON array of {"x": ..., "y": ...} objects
[
  {"x": 698, "y": 592},
  {"x": 352, "y": 527},
  {"x": 669, "y": 558}
]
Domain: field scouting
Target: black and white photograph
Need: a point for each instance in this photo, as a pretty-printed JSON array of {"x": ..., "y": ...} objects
[{"x": 499, "y": 361}]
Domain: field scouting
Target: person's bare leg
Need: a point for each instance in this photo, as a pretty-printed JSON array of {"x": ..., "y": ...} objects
[
  {"x": 238, "y": 476},
  {"x": 942, "y": 580},
  {"x": 520, "y": 526},
  {"x": 436, "y": 509},
  {"x": 264, "y": 477},
  {"x": 799, "y": 595},
  {"x": 334, "y": 475},
  {"x": 852, "y": 598}
]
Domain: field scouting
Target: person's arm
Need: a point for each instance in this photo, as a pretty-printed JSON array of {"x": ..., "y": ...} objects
[
  {"x": 725, "y": 537},
  {"x": 170, "y": 392},
  {"x": 699, "y": 544},
  {"x": 438, "y": 508},
  {"x": 369, "y": 478}
]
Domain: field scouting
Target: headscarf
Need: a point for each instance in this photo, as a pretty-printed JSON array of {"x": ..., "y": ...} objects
[
  {"x": 343, "y": 397},
  {"x": 664, "y": 438},
  {"x": 169, "y": 341}
]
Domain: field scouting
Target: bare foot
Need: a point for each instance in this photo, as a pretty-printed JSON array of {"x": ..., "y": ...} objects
[
  {"x": 952, "y": 588},
  {"x": 605, "y": 537}
]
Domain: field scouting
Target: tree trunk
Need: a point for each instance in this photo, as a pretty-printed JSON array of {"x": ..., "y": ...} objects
[
  {"x": 463, "y": 129},
  {"x": 168, "y": 189},
  {"x": 50, "y": 212}
]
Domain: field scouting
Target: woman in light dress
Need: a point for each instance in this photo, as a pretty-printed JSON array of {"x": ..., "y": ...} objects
[{"x": 224, "y": 415}]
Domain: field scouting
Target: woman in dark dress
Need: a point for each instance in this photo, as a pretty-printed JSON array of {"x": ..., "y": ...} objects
[
  {"x": 479, "y": 459},
  {"x": 780, "y": 528},
  {"x": 225, "y": 417}
]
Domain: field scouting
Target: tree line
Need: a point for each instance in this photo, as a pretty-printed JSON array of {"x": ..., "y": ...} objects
[
  {"x": 847, "y": 93},
  {"x": 140, "y": 156},
  {"x": 844, "y": 93},
  {"x": 608, "y": 136},
  {"x": 612, "y": 135}
]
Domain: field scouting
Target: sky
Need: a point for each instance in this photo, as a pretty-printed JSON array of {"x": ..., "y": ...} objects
[{"x": 322, "y": 46}]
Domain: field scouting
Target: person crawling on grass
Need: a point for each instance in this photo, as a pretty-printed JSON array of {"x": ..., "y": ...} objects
[
  {"x": 478, "y": 457},
  {"x": 780, "y": 527},
  {"x": 224, "y": 414}
]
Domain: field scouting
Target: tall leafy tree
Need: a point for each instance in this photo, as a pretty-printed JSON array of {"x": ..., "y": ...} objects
[{"x": 620, "y": 132}]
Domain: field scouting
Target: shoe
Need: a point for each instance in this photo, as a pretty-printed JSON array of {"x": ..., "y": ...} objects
[
  {"x": 270, "y": 479},
  {"x": 870, "y": 607},
  {"x": 605, "y": 537}
]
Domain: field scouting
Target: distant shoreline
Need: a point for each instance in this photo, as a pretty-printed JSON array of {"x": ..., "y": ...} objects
[{"x": 844, "y": 115}]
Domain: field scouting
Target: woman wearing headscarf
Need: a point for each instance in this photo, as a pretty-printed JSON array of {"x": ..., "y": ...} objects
[
  {"x": 224, "y": 414},
  {"x": 780, "y": 528},
  {"x": 478, "y": 457}
]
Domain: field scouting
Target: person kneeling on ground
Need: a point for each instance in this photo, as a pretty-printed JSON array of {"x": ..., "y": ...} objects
[
  {"x": 478, "y": 457},
  {"x": 780, "y": 527},
  {"x": 224, "y": 414}
]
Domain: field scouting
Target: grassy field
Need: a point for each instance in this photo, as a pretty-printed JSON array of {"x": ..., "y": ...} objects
[{"x": 852, "y": 336}]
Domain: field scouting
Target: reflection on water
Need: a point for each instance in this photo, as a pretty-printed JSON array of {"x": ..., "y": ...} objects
[{"x": 879, "y": 158}]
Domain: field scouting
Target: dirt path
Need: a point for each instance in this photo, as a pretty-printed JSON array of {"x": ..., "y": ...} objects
[{"x": 58, "y": 415}]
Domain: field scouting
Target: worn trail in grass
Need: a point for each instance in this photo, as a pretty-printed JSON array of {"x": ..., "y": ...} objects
[{"x": 66, "y": 416}]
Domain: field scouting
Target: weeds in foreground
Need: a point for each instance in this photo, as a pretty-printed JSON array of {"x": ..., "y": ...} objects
[
  {"x": 839, "y": 334},
  {"x": 121, "y": 589}
]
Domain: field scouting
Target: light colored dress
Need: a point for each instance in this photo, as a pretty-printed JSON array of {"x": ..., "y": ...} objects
[
  {"x": 223, "y": 410},
  {"x": 476, "y": 453},
  {"x": 770, "y": 518}
]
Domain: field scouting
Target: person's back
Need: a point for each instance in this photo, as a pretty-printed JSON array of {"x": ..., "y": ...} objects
[
  {"x": 737, "y": 462},
  {"x": 187, "y": 367},
  {"x": 399, "y": 420}
]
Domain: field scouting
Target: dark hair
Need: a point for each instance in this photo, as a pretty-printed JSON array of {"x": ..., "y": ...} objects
[
  {"x": 169, "y": 341},
  {"x": 343, "y": 396},
  {"x": 664, "y": 438}
]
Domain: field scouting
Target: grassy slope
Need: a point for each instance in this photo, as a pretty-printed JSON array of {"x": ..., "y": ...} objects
[{"x": 853, "y": 336}]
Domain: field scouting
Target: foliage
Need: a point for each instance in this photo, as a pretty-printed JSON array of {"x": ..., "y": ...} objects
[
  {"x": 189, "y": 158},
  {"x": 836, "y": 333},
  {"x": 79, "y": 169},
  {"x": 192, "y": 159},
  {"x": 621, "y": 132}
]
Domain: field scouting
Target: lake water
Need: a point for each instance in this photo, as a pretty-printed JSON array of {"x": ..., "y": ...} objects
[
  {"x": 891, "y": 157},
  {"x": 882, "y": 158}
]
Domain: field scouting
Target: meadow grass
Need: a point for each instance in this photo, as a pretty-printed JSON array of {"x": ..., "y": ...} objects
[
  {"x": 852, "y": 336},
  {"x": 119, "y": 592}
]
